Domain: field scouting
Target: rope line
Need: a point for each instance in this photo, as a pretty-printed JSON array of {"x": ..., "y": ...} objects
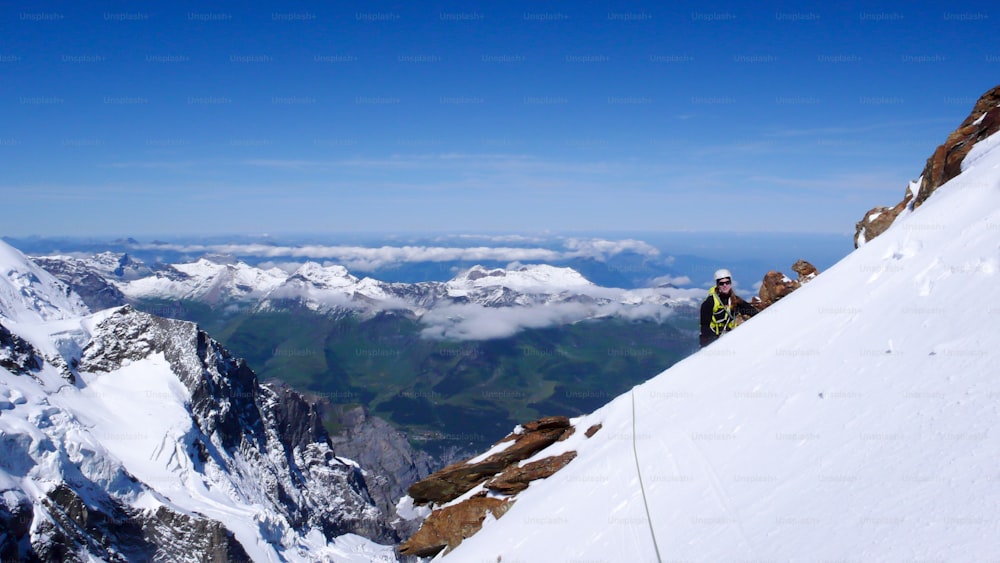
[{"x": 635, "y": 453}]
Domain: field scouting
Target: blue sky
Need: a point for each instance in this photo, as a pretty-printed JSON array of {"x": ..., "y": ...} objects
[{"x": 137, "y": 118}]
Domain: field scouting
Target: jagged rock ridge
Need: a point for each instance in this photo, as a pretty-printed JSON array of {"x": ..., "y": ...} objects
[{"x": 943, "y": 165}]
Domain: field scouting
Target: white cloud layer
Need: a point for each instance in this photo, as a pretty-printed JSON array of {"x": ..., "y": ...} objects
[
  {"x": 371, "y": 258},
  {"x": 475, "y": 322}
]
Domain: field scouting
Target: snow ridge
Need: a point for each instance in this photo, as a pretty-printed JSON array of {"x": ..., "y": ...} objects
[{"x": 28, "y": 293}]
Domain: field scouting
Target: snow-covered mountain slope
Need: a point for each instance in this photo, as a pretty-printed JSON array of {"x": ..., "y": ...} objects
[
  {"x": 539, "y": 278},
  {"x": 207, "y": 281},
  {"x": 855, "y": 420},
  {"x": 29, "y": 293},
  {"x": 124, "y": 437},
  {"x": 89, "y": 277}
]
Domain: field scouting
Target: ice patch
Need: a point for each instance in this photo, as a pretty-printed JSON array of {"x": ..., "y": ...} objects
[
  {"x": 980, "y": 150},
  {"x": 406, "y": 510}
]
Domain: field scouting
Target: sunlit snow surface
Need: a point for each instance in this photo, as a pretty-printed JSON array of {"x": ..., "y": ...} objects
[
  {"x": 127, "y": 431},
  {"x": 854, "y": 420},
  {"x": 29, "y": 293}
]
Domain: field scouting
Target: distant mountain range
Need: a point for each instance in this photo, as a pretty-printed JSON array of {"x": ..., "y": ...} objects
[
  {"x": 453, "y": 363},
  {"x": 623, "y": 260},
  {"x": 227, "y": 285}
]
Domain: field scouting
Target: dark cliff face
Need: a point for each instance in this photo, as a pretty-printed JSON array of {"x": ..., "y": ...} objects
[
  {"x": 96, "y": 292},
  {"x": 943, "y": 165},
  {"x": 383, "y": 450},
  {"x": 103, "y": 527},
  {"x": 17, "y": 355}
]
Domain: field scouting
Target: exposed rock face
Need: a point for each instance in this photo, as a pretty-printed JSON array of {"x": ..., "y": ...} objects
[
  {"x": 92, "y": 287},
  {"x": 805, "y": 270},
  {"x": 499, "y": 473},
  {"x": 381, "y": 449},
  {"x": 777, "y": 285},
  {"x": 515, "y": 478},
  {"x": 458, "y": 478},
  {"x": 943, "y": 165},
  {"x": 17, "y": 355},
  {"x": 16, "y": 514},
  {"x": 449, "y": 526},
  {"x": 120, "y": 533}
]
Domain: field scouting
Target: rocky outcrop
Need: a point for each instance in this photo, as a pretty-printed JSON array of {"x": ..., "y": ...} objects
[
  {"x": 776, "y": 285},
  {"x": 92, "y": 287},
  {"x": 943, "y": 165},
  {"x": 500, "y": 474},
  {"x": 17, "y": 355},
  {"x": 117, "y": 533},
  {"x": 446, "y": 528},
  {"x": 452, "y": 481},
  {"x": 16, "y": 514},
  {"x": 515, "y": 478}
]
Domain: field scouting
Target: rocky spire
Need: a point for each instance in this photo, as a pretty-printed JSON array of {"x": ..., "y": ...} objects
[{"x": 943, "y": 165}]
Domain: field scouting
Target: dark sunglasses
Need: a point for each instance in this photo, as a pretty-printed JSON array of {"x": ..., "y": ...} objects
[{"x": 725, "y": 282}]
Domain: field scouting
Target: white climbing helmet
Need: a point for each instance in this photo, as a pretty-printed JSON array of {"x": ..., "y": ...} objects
[{"x": 723, "y": 273}]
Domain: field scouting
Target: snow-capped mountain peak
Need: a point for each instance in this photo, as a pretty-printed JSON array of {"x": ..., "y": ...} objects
[
  {"x": 30, "y": 294},
  {"x": 332, "y": 289},
  {"x": 532, "y": 278},
  {"x": 324, "y": 277},
  {"x": 209, "y": 281}
]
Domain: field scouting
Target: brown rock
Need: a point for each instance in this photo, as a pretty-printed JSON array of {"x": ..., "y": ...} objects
[
  {"x": 446, "y": 528},
  {"x": 943, "y": 165},
  {"x": 805, "y": 270},
  {"x": 451, "y": 482},
  {"x": 878, "y": 219},
  {"x": 775, "y": 286},
  {"x": 515, "y": 479},
  {"x": 569, "y": 432},
  {"x": 593, "y": 430},
  {"x": 946, "y": 162},
  {"x": 546, "y": 423}
]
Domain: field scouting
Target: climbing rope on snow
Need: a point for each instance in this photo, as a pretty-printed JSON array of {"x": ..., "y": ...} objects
[{"x": 645, "y": 503}]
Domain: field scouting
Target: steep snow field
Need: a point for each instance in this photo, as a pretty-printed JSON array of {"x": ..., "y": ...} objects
[
  {"x": 126, "y": 430},
  {"x": 20, "y": 298},
  {"x": 854, "y": 420}
]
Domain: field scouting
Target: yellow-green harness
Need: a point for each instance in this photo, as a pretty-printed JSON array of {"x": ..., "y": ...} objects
[{"x": 723, "y": 319}]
